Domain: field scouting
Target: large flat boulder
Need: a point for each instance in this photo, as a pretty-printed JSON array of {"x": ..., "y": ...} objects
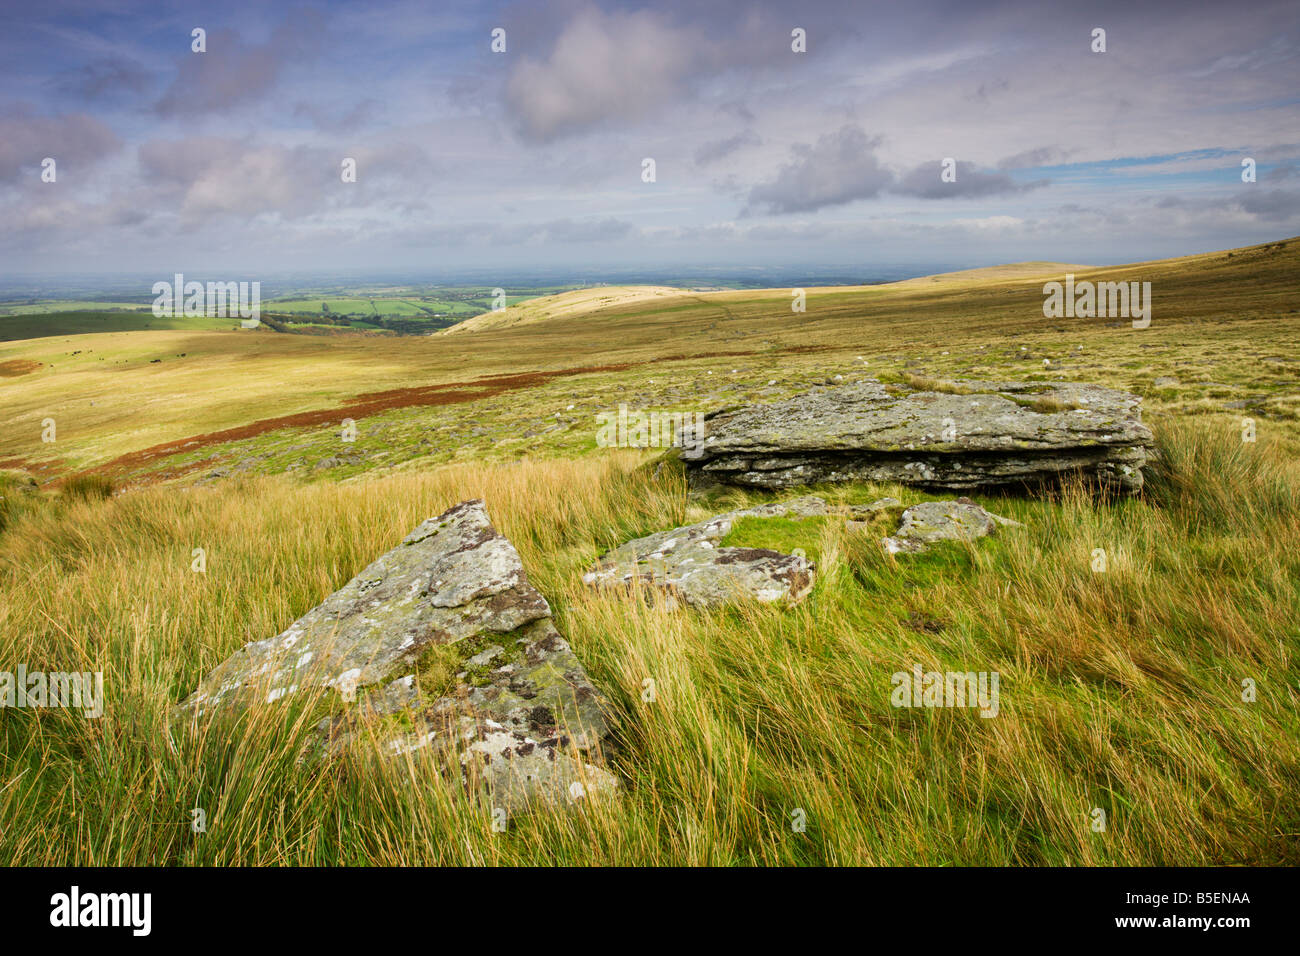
[
  {"x": 689, "y": 565},
  {"x": 967, "y": 435},
  {"x": 522, "y": 714}
]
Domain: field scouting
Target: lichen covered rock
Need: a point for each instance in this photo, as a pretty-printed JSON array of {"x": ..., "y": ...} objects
[
  {"x": 969, "y": 435},
  {"x": 453, "y": 583},
  {"x": 690, "y": 566},
  {"x": 931, "y": 522}
]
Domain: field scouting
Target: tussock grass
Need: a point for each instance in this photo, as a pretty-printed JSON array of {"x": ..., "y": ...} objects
[
  {"x": 88, "y": 487},
  {"x": 1120, "y": 690},
  {"x": 924, "y": 383}
]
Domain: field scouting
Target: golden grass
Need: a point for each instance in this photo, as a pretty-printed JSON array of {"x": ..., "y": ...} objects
[
  {"x": 561, "y": 305},
  {"x": 1227, "y": 325},
  {"x": 1119, "y": 690}
]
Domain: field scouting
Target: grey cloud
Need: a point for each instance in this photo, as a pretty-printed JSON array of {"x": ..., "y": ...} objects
[
  {"x": 840, "y": 168},
  {"x": 602, "y": 230},
  {"x": 739, "y": 110},
  {"x": 232, "y": 71},
  {"x": 715, "y": 150},
  {"x": 339, "y": 120},
  {"x": 924, "y": 182},
  {"x": 104, "y": 79},
  {"x": 1269, "y": 205},
  {"x": 715, "y": 232},
  {"x": 1275, "y": 205},
  {"x": 73, "y": 140},
  {"x": 603, "y": 67},
  {"x": 1043, "y": 156},
  {"x": 522, "y": 233},
  {"x": 983, "y": 93},
  {"x": 207, "y": 177}
]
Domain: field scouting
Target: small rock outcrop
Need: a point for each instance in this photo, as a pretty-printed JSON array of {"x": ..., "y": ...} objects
[
  {"x": 691, "y": 567},
  {"x": 930, "y": 522},
  {"x": 523, "y": 713},
  {"x": 967, "y": 435}
]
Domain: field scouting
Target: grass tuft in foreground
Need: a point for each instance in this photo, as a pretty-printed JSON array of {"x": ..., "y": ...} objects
[{"x": 1119, "y": 689}]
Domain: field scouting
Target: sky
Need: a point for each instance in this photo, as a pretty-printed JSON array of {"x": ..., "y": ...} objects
[{"x": 228, "y": 163}]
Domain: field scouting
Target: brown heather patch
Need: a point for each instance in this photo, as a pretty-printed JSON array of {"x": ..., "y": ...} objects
[{"x": 15, "y": 367}]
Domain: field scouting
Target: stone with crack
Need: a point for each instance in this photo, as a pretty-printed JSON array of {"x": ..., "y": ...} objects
[
  {"x": 930, "y": 522},
  {"x": 689, "y": 565},
  {"x": 454, "y": 582},
  {"x": 957, "y": 435}
]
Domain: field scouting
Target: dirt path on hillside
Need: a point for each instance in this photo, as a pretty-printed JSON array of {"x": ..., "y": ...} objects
[{"x": 368, "y": 403}]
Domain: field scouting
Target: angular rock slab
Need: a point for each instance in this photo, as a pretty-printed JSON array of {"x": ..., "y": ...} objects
[
  {"x": 690, "y": 567},
  {"x": 931, "y": 522},
  {"x": 453, "y": 579},
  {"x": 989, "y": 434}
]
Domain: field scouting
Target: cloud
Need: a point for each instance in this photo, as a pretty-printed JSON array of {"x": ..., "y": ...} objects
[
  {"x": 207, "y": 177},
  {"x": 712, "y": 91},
  {"x": 1276, "y": 205},
  {"x": 717, "y": 149},
  {"x": 842, "y": 167},
  {"x": 603, "y": 67},
  {"x": 1271, "y": 205},
  {"x": 336, "y": 119},
  {"x": 233, "y": 72},
  {"x": 72, "y": 140},
  {"x": 924, "y": 182},
  {"x": 739, "y": 110},
  {"x": 1043, "y": 156},
  {"x": 569, "y": 231},
  {"x": 602, "y": 230},
  {"x": 104, "y": 79}
]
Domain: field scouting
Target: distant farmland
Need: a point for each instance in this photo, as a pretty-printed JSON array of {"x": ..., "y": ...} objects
[
  {"x": 463, "y": 305},
  {"x": 44, "y": 306}
]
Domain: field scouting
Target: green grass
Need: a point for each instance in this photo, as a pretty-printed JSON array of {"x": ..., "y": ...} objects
[
  {"x": 1119, "y": 690},
  {"x": 82, "y": 321},
  {"x": 70, "y": 305},
  {"x": 391, "y": 305},
  {"x": 778, "y": 534},
  {"x": 346, "y": 305}
]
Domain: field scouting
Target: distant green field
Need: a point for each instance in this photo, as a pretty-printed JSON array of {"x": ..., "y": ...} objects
[
  {"x": 68, "y": 305},
  {"x": 35, "y": 326},
  {"x": 346, "y": 305},
  {"x": 389, "y": 305}
]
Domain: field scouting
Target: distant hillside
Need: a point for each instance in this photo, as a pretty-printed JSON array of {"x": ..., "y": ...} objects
[
  {"x": 1196, "y": 282},
  {"x": 562, "y": 305},
  {"x": 1014, "y": 270},
  {"x": 79, "y": 322},
  {"x": 1224, "y": 324}
]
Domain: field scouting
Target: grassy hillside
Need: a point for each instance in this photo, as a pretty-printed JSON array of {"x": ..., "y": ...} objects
[
  {"x": 562, "y": 305},
  {"x": 1121, "y": 691},
  {"x": 1224, "y": 326}
]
